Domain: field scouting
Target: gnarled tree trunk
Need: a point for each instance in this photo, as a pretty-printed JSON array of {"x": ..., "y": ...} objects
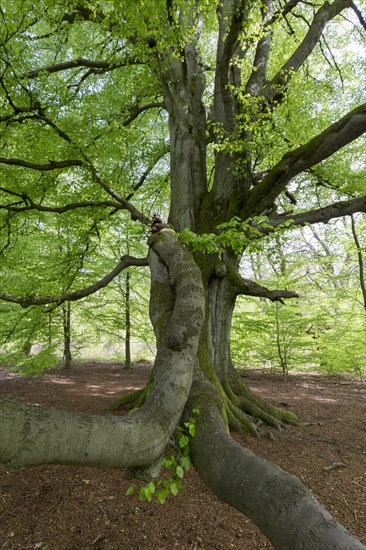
[
  {"x": 181, "y": 308},
  {"x": 30, "y": 435}
]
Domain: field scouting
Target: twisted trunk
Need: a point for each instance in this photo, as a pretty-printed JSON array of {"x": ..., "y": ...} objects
[
  {"x": 31, "y": 436},
  {"x": 181, "y": 300}
]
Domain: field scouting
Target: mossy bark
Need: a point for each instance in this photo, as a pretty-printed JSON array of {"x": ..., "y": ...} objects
[
  {"x": 277, "y": 502},
  {"x": 30, "y": 435},
  {"x": 241, "y": 408}
]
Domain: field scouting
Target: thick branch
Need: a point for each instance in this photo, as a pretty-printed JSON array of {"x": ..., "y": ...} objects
[
  {"x": 359, "y": 14},
  {"x": 126, "y": 261},
  {"x": 235, "y": 10},
  {"x": 80, "y": 62},
  {"x": 30, "y": 435},
  {"x": 277, "y": 502},
  {"x": 231, "y": 16},
  {"x": 52, "y": 165},
  {"x": 318, "y": 215},
  {"x": 251, "y": 288},
  {"x": 333, "y": 138},
  {"x": 258, "y": 76},
  {"x": 275, "y": 88}
]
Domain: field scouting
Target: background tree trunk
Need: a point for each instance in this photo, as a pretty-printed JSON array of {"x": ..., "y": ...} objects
[
  {"x": 66, "y": 317},
  {"x": 361, "y": 269},
  {"x": 128, "y": 364}
]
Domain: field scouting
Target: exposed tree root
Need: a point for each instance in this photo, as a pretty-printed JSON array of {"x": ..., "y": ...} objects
[
  {"x": 239, "y": 421},
  {"x": 245, "y": 410},
  {"x": 277, "y": 502},
  {"x": 134, "y": 399}
]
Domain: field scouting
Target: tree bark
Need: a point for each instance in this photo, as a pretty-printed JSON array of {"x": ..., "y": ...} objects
[
  {"x": 128, "y": 323},
  {"x": 361, "y": 270},
  {"x": 30, "y": 435},
  {"x": 66, "y": 318},
  {"x": 277, "y": 502},
  {"x": 192, "y": 299}
]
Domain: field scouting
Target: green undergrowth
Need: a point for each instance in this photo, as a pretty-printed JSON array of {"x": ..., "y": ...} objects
[{"x": 175, "y": 465}]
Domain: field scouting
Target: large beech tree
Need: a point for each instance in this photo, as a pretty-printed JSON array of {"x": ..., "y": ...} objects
[{"x": 240, "y": 107}]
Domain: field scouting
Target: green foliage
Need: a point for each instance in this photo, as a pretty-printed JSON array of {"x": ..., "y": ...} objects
[
  {"x": 272, "y": 336},
  {"x": 236, "y": 235},
  {"x": 325, "y": 329},
  {"x": 176, "y": 465},
  {"x": 36, "y": 364}
]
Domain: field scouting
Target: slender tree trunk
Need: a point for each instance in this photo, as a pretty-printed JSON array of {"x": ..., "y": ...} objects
[
  {"x": 361, "y": 270},
  {"x": 280, "y": 351},
  {"x": 27, "y": 348},
  {"x": 66, "y": 316},
  {"x": 128, "y": 363}
]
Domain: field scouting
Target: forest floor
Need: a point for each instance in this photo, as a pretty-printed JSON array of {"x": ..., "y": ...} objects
[{"x": 67, "y": 508}]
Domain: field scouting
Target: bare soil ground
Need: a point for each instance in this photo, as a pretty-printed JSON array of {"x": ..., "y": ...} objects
[{"x": 66, "y": 508}]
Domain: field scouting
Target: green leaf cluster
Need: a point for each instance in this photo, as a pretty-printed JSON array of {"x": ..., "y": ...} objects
[
  {"x": 176, "y": 465},
  {"x": 235, "y": 235}
]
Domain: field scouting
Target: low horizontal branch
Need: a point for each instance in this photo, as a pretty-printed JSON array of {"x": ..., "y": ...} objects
[
  {"x": 26, "y": 301},
  {"x": 62, "y": 209},
  {"x": 51, "y": 165},
  {"x": 248, "y": 287},
  {"x": 251, "y": 288},
  {"x": 30, "y": 435},
  {"x": 80, "y": 62}
]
